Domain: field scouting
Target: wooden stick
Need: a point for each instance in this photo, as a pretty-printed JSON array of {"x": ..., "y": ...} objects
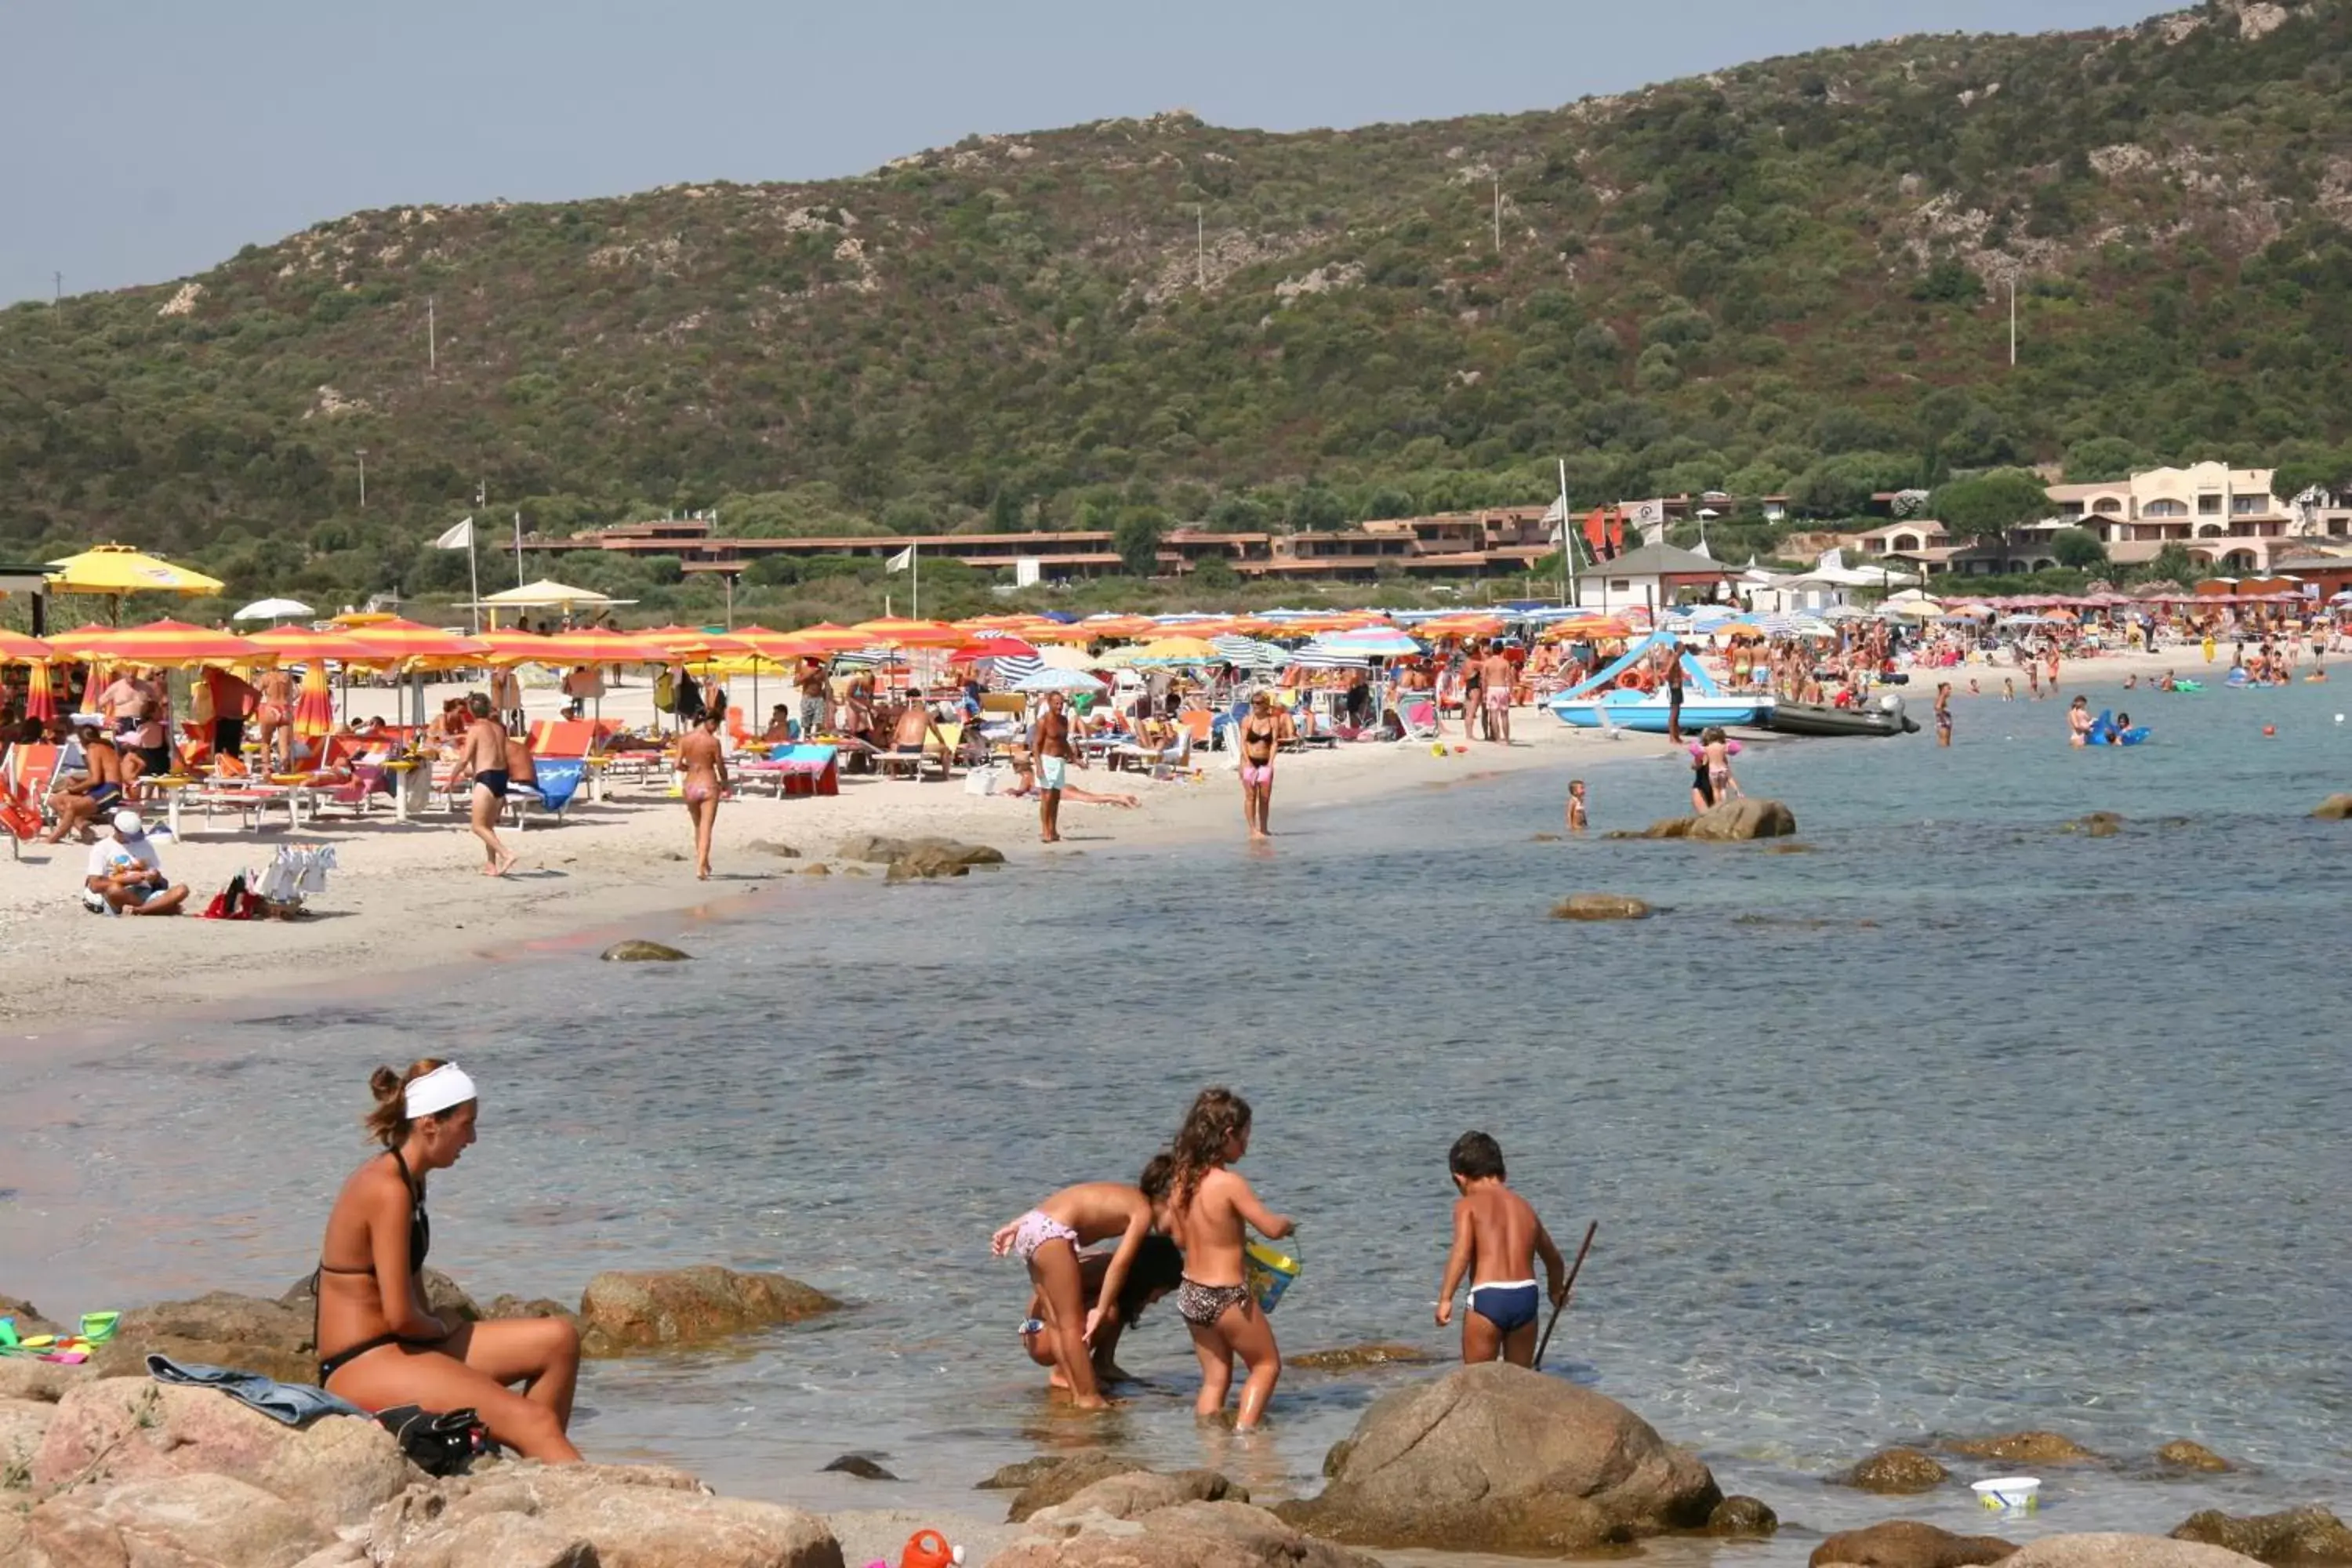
[{"x": 1565, "y": 1291}]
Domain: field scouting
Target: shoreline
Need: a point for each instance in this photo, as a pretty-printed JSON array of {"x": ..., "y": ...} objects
[{"x": 405, "y": 898}]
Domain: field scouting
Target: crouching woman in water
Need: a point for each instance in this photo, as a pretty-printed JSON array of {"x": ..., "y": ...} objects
[{"x": 378, "y": 1346}]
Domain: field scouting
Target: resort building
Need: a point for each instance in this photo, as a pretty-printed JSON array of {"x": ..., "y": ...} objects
[{"x": 2220, "y": 514}]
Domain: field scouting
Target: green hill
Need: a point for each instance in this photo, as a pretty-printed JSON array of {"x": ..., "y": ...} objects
[{"x": 1785, "y": 276}]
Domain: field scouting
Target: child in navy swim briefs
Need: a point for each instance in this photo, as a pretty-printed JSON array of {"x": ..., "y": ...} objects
[{"x": 1496, "y": 1239}]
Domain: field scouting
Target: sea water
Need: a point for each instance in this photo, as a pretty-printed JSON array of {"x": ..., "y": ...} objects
[{"x": 1962, "y": 1122}]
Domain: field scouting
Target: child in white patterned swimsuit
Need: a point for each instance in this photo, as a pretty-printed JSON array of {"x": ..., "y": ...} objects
[{"x": 1047, "y": 1239}]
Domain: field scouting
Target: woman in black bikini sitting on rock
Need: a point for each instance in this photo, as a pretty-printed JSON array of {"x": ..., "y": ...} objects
[{"x": 378, "y": 1345}]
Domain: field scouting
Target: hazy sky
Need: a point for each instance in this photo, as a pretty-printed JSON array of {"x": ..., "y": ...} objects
[{"x": 148, "y": 138}]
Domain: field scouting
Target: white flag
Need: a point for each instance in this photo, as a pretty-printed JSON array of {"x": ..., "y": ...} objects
[
  {"x": 1555, "y": 518},
  {"x": 900, "y": 562},
  {"x": 459, "y": 538}
]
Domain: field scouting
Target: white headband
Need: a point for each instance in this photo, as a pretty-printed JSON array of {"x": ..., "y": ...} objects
[{"x": 444, "y": 1086}]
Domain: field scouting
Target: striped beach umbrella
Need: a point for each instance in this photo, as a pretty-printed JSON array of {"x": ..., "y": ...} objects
[
  {"x": 1176, "y": 650},
  {"x": 997, "y": 646},
  {"x": 15, "y": 648},
  {"x": 1248, "y": 653},
  {"x": 518, "y": 648},
  {"x": 1320, "y": 655},
  {"x": 296, "y": 645},
  {"x": 595, "y": 645},
  {"x": 314, "y": 705},
  {"x": 40, "y": 703},
  {"x": 1012, "y": 670},
  {"x": 898, "y": 632},
  {"x": 1372, "y": 642},
  {"x": 168, "y": 643},
  {"x": 400, "y": 641}
]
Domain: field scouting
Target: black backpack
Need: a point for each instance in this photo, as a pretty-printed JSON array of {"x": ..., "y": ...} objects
[{"x": 443, "y": 1444}]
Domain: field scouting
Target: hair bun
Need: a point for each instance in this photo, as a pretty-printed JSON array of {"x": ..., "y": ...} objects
[{"x": 384, "y": 1083}]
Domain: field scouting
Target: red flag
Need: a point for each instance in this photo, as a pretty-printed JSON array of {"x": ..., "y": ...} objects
[
  {"x": 1616, "y": 534},
  {"x": 1596, "y": 530}
]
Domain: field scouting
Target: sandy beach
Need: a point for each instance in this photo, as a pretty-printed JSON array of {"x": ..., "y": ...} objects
[{"x": 407, "y": 897}]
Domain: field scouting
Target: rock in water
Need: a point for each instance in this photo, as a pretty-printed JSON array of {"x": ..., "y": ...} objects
[
  {"x": 1498, "y": 1458},
  {"x": 622, "y": 1310},
  {"x": 2184, "y": 1455},
  {"x": 1895, "y": 1470},
  {"x": 2335, "y": 808},
  {"x": 2113, "y": 1550},
  {"x": 2024, "y": 1448},
  {"x": 1064, "y": 1480},
  {"x": 1137, "y": 1493},
  {"x": 1600, "y": 907},
  {"x": 1190, "y": 1535},
  {"x": 1348, "y": 1358},
  {"x": 639, "y": 952},
  {"x": 2299, "y": 1535},
  {"x": 2097, "y": 825},
  {"x": 1742, "y": 819},
  {"x": 1742, "y": 1516},
  {"x": 1908, "y": 1544},
  {"x": 864, "y": 1469}
]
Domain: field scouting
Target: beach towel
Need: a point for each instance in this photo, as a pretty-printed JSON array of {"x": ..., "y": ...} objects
[{"x": 290, "y": 1402}]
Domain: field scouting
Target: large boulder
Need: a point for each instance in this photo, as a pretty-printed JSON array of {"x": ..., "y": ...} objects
[
  {"x": 116, "y": 1429},
  {"x": 1601, "y": 907},
  {"x": 2180, "y": 1454},
  {"x": 2024, "y": 1448},
  {"x": 192, "y": 1519},
  {"x": 628, "y": 1516},
  {"x": 638, "y": 949},
  {"x": 220, "y": 1328},
  {"x": 946, "y": 853},
  {"x": 29, "y": 1320},
  {"x": 1191, "y": 1535},
  {"x": 1740, "y": 819},
  {"x": 1895, "y": 1471},
  {"x": 625, "y": 1309},
  {"x": 22, "y": 1378},
  {"x": 1136, "y": 1493},
  {"x": 444, "y": 1298},
  {"x": 23, "y": 1423},
  {"x": 2335, "y": 808},
  {"x": 17, "y": 1548},
  {"x": 508, "y": 1539},
  {"x": 1495, "y": 1457},
  {"x": 2298, "y": 1535},
  {"x": 2101, "y": 1550},
  {"x": 1908, "y": 1544}
]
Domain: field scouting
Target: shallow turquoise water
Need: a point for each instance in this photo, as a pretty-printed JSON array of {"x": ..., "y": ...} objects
[{"x": 1961, "y": 1123}]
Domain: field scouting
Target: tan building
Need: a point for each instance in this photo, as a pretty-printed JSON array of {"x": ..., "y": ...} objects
[{"x": 2220, "y": 514}]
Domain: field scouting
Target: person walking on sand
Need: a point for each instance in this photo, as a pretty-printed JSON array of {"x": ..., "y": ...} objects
[
  {"x": 1049, "y": 744},
  {"x": 1261, "y": 738},
  {"x": 704, "y": 762},
  {"x": 1496, "y": 1240},
  {"x": 482, "y": 757},
  {"x": 1209, "y": 1205}
]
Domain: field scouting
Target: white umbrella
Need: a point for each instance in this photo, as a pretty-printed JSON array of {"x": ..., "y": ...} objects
[
  {"x": 1052, "y": 679},
  {"x": 272, "y": 610}
]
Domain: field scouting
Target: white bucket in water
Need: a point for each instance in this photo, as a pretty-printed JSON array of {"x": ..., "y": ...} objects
[{"x": 2009, "y": 1491}]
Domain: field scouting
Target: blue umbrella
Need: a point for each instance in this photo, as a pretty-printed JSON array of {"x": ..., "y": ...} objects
[{"x": 1048, "y": 679}]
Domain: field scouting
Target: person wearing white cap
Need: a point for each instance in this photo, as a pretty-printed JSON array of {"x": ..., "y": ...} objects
[
  {"x": 380, "y": 1344},
  {"x": 125, "y": 875}
]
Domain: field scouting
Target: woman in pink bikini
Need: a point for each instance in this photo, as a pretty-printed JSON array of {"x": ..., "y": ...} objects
[
  {"x": 1260, "y": 736},
  {"x": 704, "y": 763}
]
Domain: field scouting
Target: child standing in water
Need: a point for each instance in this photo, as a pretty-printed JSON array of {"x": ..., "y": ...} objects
[
  {"x": 1577, "y": 821},
  {"x": 1942, "y": 712},
  {"x": 1208, "y": 1206},
  {"x": 1496, "y": 1239},
  {"x": 1047, "y": 1239}
]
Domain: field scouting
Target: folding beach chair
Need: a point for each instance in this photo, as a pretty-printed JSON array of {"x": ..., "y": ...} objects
[{"x": 810, "y": 770}]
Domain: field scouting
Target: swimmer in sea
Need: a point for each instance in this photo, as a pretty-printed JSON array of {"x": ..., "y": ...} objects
[
  {"x": 2115, "y": 734},
  {"x": 2078, "y": 721},
  {"x": 1973, "y": 689},
  {"x": 2009, "y": 689},
  {"x": 1942, "y": 712},
  {"x": 1577, "y": 819},
  {"x": 1496, "y": 1239}
]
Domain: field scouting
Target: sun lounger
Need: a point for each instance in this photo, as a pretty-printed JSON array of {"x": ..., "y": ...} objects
[
  {"x": 933, "y": 754},
  {"x": 805, "y": 768}
]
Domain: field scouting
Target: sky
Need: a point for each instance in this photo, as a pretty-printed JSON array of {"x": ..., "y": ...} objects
[{"x": 149, "y": 139}]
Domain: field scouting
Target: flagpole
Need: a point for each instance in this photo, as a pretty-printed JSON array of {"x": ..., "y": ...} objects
[
  {"x": 518, "y": 548},
  {"x": 1567, "y": 543},
  {"x": 474, "y": 573},
  {"x": 915, "y": 564}
]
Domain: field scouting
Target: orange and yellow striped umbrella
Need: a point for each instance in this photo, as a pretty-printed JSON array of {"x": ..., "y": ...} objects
[
  {"x": 314, "y": 705},
  {"x": 296, "y": 645},
  {"x": 15, "y": 648},
  {"x": 833, "y": 638},
  {"x": 891, "y": 632},
  {"x": 163, "y": 643},
  {"x": 519, "y": 648},
  {"x": 39, "y": 701},
  {"x": 399, "y": 641},
  {"x": 596, "y": 645},
  {"x": 1113, "y": 627}
]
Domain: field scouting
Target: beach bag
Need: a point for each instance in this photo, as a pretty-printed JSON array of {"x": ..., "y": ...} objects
[
  {"x": 443, "y": 1444},
  {"x": 982, "y": 780},
  {"x": 664, "y": 692}
]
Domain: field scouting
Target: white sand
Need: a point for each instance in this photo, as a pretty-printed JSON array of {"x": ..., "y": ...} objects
[{"x": 409, "y": 896}]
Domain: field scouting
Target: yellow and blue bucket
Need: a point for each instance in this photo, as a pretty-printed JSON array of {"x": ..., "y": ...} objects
[{"x": 1268, "y": 1272}]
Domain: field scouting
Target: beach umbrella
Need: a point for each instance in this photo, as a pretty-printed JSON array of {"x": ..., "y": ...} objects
[
  {"x": 398, "y": 641},
  {"x": 1011, "y": 670},
  {"x": 15, "y": 648},
  {"x": 272, "y": 610},
  {"x": 997, "y": 647},
  {"x": 168, "y": 643},
  {"x": 118, "y": 569},
  {"x": 1247, "y": 653},
  {"x": 545, "y": 594},
  {"x": 1176, "y": 650},
  {"x": 314, "y": 705},
  {"x": 1112, "y": 629},
  {"x": 295, "y": 645},
  {"x": 595, "y": 645},
  {"x": 40, "y": 703},
  {"x": 897, "y": 632},
  {"x": 1063, "y": 655},
  {"x": 519, "y": 648},
  {"x": 831, "y": 639},
  {"x": 1372, "y": 642},
  {"x": 1051, "y": 680},
  {"x": 1322, "y": 656},
  {"x": 1054, "y": 632}
]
